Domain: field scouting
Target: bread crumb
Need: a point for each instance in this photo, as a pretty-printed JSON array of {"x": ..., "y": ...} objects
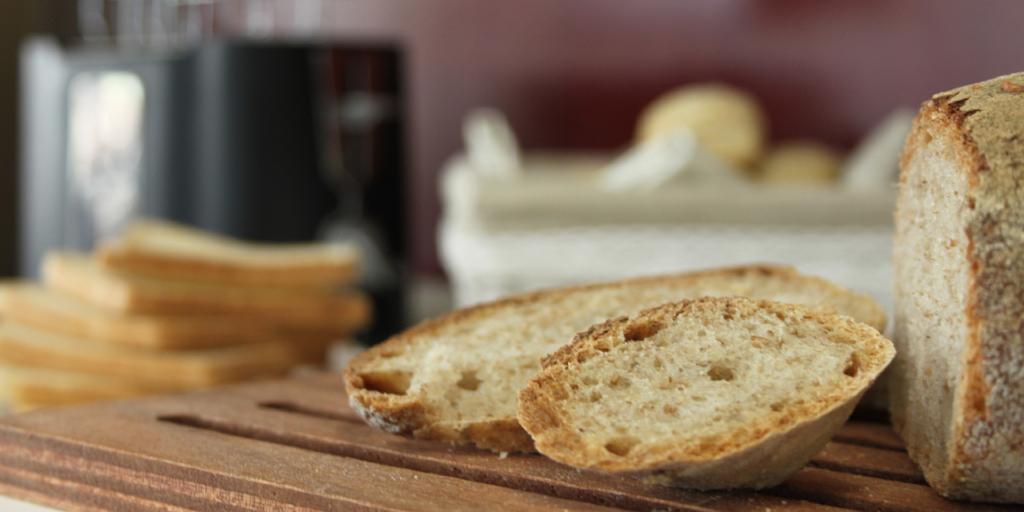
[
  {"x": 503, "y": 455},
  {"x": 1009, "y": 86}
]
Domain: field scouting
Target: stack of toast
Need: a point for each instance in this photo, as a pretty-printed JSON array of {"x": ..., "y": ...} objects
[{"x": 168, "y": 308}]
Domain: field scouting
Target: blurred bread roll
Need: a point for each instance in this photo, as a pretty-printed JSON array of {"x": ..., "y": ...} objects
[
  {"x": 726, "y": 121},
  {"x": 801, "y": 162}
]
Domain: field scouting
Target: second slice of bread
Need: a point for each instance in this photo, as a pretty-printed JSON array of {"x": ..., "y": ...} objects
[
  {"x": 79, "y": 276},
  {"x": 26, "y": 387},
  {"x": 24, "y": 346},
  {"x": 41, "y": 308},
  {"x": 712, "y": 393}
]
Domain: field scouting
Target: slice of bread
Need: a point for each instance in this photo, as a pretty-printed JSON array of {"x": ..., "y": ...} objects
[
  {"x": 958, "y": 380},
  {"x": 24, "y": 387},
  {"x": 171, "y": 251},
  {"x": 455, "y": 378},
  {"x": 713, "y": 393},
  {"x": 24, "y": 346},
  {"x": 79, "y": 276},
  {"x": 33, "y": 305}
]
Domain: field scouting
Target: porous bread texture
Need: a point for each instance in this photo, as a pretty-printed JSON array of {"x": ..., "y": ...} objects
[
  {"x": 958, "y": 381},
  {"x": 713, "y": 393},
  {"x": 456, "y": 378}
]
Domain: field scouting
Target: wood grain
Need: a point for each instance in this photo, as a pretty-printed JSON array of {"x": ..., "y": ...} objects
[{"x": 296, "y": 445}]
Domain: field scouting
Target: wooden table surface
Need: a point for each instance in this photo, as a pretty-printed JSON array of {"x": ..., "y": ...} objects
[{"x": 295, "y": 445}]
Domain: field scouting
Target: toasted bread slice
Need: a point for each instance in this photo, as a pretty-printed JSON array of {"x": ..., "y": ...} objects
[
  {"x": 79, "y": 276},
  {"x": 456, "y": 378},
  {"x": 40, "y": 386},
  {"x": 45, "y": 309},
  {"x": 170, "y": 251},
  {"x": 713, "y": 393},
  {"x": 24, "y": 346}
]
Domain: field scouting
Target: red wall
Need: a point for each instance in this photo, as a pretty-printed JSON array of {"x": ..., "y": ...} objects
[{"x": 574, "y": 74}]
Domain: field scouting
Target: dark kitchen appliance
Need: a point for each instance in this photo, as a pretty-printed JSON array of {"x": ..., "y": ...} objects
[{"x": 264, "y": 141}]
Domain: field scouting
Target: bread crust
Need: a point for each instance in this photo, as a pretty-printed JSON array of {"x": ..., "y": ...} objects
[
  {"x": 408, "y": 414},
  {"x": 78, "y": 276},
  {"x": 763, "y": 455},
  {"x": 226, "y": 261},
  {"x": 984, "y": 451}
]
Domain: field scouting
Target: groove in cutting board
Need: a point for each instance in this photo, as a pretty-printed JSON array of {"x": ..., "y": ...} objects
[
  {"x": 67, "y": 495},
  {"x": 177, "y": 492},
  {"x": 363, "y": 443},
  {"x": 858, "y": 458},
  {"x": 531, "y": 473},
  {"x": 257, "y": 476},
  {"x": 864, "y": 492},
  {"x": 307, "y": 411},
  {"x": 326, "y": 402},
  {"x": 874, "y": 435},
  {"x": 868, "y": 461},
  {"x": 296, "y": 441}
]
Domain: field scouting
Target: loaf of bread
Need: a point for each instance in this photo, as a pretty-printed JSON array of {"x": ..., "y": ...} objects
[
  {"x": 713, "y": 393},
  {"x": 725, "y": 120},
  {"x": 170, "y": 251},
  {"x": 800, "y": 163},
  {"x": 24, "y": 346},
  {"x": 79, "y": 276},
  {"x": 456, "y": 378},
  {"x": 958, "y": 379}
]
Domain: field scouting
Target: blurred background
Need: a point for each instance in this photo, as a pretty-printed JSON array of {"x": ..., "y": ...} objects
[{"x": 302, "y": 120}]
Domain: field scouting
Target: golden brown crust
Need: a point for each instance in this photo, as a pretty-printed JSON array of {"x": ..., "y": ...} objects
[
  {"x": 408, "y": 415},
  {"x": 78, "y": 276},
  {"x": 687, "y": 462},
  {"x": 173, "y": 266},
  {"x": 986, "y": 123}
]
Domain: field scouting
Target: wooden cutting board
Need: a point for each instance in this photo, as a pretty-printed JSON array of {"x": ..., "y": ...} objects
[{"x": 296, "y": 445}]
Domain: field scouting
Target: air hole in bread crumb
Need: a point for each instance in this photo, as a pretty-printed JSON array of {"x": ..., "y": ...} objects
[
  {"x": 602, "y": 345},
  {"x": 619, "y": 382},
  {"x": 852, "y": 366},
  {"x": 777, "y": 406},
  {"x": 595, "y": 396},
  {"x": 621, "y": 445},
  {"x": 641, "y": 330},
  {"x": 394, "y": 382},
  {"x": 589, "y": 381},
  {"x": 721, "y": 372},
  {"x": 658, "y": 363},
  {"x": 670, "y": 409},
  {"x": 469, "y": 381}
]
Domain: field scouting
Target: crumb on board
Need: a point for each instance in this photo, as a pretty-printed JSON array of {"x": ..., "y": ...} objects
[{"x": 503, "y": 455}]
